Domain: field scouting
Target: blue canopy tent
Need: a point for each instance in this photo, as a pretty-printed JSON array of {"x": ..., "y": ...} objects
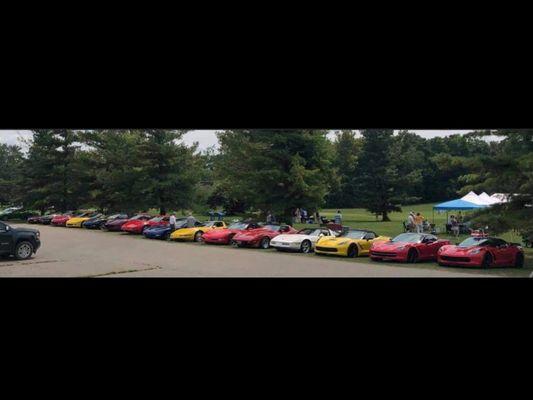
[{"x": 455, "y": 205}]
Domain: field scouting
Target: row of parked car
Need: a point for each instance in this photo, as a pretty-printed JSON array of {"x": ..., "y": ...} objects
[{"x": 479, "y": 251}]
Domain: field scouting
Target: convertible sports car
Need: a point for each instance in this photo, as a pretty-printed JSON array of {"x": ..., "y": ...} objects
[
  {"x": 261, "y": 237},
  {"x": 408, "y": 247},
  {"x": 99, "y": 221},
  {"x": 163, "y": 231},
  {"x": 61, "y": 220},
  {"x": 77, "y": 221},
  {"x": 482, "y": 252},
  {"x": 225, "y": 236},
  {"x": 138, "y": 225},
  {"x": 304, "y": 241},
  {"x": 352, "y": 243},
  {"x": 115, "y": 225},
  {"x": 195, "y": 234}
]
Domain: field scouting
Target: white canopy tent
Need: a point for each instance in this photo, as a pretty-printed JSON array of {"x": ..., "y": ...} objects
[
  {"x": 500, "y": 198},
  {"x": 474, "y": 198},
  {"x": 488, "y": 199}
]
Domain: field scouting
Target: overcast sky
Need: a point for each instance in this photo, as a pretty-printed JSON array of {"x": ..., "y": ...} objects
[{"x": 206, "y": 138}]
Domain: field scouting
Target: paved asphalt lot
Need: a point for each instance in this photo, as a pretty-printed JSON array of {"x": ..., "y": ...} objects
[{"x": 84, "y": 253}]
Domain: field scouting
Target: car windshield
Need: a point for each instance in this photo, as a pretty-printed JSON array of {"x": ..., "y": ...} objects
[
  {"x": 354, "y": 234},
  {"x": 310, "y": 232},
  {"x": 272, "y": 227},
  {"x": 408, "y": 238},
  {"x": 139, "y": 217},
  {"x": 238, "y": 225},
  {"x": 157, "y": 219},
  {"x": 472, "y": 241}
]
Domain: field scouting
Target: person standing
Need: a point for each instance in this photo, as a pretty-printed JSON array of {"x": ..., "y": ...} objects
[
  {"x": 190, "y": 221},
  {"x": 296, "y": 215},
  {"x": 411, "y": 222},
  {"x": 338, "y": 217},
  {"x": 269, "y": 218},
  {"x": 419, "y": 220},
  {"x": 172, "y": 222},
  {"x": 455, "y": 226}
]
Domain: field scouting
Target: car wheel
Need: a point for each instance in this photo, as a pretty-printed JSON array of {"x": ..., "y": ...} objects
[
  {"x": 353, "y": 251},
  {"x": 198, "y": 236},
  {"x": 412, "y": 256},
  {"x": 306, "y": 247},
  {"x": 23, "y": 250},
  {"x": 519, "y": 262},
  {"x": 487, "y": 261},
  {"x": 265, "y": 243}
]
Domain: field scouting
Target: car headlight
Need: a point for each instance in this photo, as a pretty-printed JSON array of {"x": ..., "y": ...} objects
[
  {"x": 343, "y": 243},
  {"x": 400, "y": 248},
  {"x": 38, "y": 234},
  {"x": 475, "y": 251}
]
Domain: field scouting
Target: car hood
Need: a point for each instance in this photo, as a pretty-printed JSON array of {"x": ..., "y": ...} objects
[
  {"x": 25, "y": 230},
  {"x": 334, "y": 241},
  {"x": 456, "y": 249},
  {"x": 389, "y": 246},
  {"x": 78, "y": 219},
  {"x": 292, "y": 238},
  {"x": 157, "y": 229},
  {"x": 117, "y": 222},
  {"x": 220, "y": 233}
]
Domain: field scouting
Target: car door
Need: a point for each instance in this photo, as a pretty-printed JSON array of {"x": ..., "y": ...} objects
[
  {"x": 431, "y": 246},
  {"x": 5, "y": 239},
  {"x": 367, "y": 241},
  {"x": 502, "y": 252}
]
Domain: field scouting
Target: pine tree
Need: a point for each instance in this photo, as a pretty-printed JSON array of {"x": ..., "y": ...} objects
[
  {"x": 377, "y": 178},
  {"x": 276, "y": 170}
]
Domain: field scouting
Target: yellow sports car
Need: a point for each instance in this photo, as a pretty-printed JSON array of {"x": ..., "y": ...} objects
[
  {"x": 78, "y": 220},
  {"x": 352, "y": 243},
  {"x": 195, "y": 234}
]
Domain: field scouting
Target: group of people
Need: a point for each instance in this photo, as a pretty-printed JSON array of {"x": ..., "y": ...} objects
[
  {"x": 191, "y": 221},
  {"x": 454, "y": 222},
  {"x": 302, "y": 216},
  {"x": 416, "y": 222}
]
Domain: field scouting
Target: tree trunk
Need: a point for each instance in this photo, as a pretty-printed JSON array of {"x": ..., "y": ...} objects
[
  {"x": 162, "y": 210},
  {"x": 385, "y": 217}
]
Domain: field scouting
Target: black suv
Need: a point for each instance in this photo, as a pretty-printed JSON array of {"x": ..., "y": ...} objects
[{"x": 19, "y": 242}]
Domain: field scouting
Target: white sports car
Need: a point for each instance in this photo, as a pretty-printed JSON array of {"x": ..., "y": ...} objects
[{"x": 303, "y": 241}]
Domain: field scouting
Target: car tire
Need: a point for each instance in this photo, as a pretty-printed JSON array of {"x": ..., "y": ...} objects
[
  {"x": 198, "y": 236},
  {"x": 265, "y": 243},
  {"x": 487, "y": 261},
  {"x": 353, "y": 251},
  {"x": 412, "y": 256},
  {"x": 23, "y": 250},
  {"x": 519, "y": 261},
  {"x": 306, "y": 247}
]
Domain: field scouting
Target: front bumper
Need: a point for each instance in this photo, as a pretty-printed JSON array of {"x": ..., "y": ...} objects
[
  {"x": 460, "y": 261},
  {"x": 333, "y": 251},
  {"x": 285, "y": 245},
  {"x": 224, "y": 240},
  {"x": 388, "y": 255}
]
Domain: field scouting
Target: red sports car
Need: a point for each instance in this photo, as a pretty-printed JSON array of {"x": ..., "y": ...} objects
[
  {"x": 261, "y": 237},
  {"x": 482, "y": 252},
  {"x": 408, "y": 247},
  {"x": 225, "y": 236},
  {"x": 138, "y": 223},
  {"x": 61, "y": 220}
]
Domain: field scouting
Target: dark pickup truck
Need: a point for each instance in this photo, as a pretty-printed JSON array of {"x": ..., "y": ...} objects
[{"x": 21, "y": 243}]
